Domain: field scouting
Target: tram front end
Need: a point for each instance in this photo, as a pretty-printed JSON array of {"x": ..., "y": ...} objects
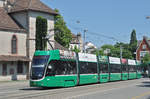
[{"x": 38, "y": 68}]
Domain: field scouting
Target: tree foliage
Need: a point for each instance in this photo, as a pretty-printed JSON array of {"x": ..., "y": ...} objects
[
  {"x": 115, "y": 50},
  {"x": 146, "y": 58},
  {"x": 62, "y": 34},
  {"x": 133, "y": 37},
  {"x": 133, "y": 43},
  {"x": 75, "y": 49},
  {"x": 127, "y": 49},
  {"x": 41, "y": 32}
]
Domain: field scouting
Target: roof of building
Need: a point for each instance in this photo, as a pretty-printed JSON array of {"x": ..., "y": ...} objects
[
  {"x": 74, "y": 36},
  {"x": 147, "y": 41},
  {"x": 6, "y": 22},
  {"x": 60, "y": 47},
  {"x": 35, "y": 5},
  {"x": 75, "y": 39},
  {"x": 13, "y": 58}
]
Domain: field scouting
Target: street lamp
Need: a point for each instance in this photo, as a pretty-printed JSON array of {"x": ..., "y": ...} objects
[{"x": 148, "y": 17}]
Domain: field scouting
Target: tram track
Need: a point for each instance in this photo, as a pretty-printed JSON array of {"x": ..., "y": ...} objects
[{"x": 62, "y": 92}]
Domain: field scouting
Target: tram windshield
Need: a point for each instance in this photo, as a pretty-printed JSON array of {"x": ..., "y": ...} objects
[{"x": 38, "y": 66}]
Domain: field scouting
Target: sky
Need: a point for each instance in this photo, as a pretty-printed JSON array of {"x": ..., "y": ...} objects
[{"x": 107, "y": 21}]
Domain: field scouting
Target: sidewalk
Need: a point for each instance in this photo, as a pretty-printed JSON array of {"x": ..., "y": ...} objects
[{"x": 13, "y": 81}]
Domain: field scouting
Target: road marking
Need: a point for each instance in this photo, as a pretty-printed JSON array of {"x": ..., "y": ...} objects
[{"x": 143, "y": 94}]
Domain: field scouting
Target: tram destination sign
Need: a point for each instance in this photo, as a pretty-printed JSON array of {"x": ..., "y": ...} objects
[
  {"x": 67, "y": 55},
  {"x": 131, "y": 62},
  {"x": 124, "y": 61},
  {"x": 114, "y": 60},
  {"x": 87, "y": 57},
  {"x": 103, "y": 59}
]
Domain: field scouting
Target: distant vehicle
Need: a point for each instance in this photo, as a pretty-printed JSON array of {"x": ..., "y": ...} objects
[{"x": 57, "y": 68}]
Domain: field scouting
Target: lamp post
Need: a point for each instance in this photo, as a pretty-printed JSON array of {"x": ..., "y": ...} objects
[{"x": 148, "y": 17}]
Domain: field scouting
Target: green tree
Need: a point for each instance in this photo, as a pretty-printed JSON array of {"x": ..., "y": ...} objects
[
  {"x": 115, "y": 50},
  {"x": 41, "y": 32},
  {"x": 146, "y": 61},
  {"x": 101, "y": 52},
  {"x": 126, "y": 53},
  {"x": 133, "y": 43},
  {"x": 106, "y": 47},
  {"x": 146, "y": 58},
  {"x": 75, "y": 49},
  {"x": 62, "y": 34}
]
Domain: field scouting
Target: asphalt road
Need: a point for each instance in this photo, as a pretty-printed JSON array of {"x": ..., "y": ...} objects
[{"x": 131, "y": 89}]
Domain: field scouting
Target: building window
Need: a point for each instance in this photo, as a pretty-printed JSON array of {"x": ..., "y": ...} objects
[
  {"x": 11, "y": 71},
  {"x": 144, "y": 46},
  {"x": 143, "y": 53},
  {"x": 4, "y": 69},
  {"x": 20, "y": 67},
  {"x": 14, "y": 45}
]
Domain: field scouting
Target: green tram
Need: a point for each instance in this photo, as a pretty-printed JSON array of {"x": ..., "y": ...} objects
[{"x": 57, "y": 68}]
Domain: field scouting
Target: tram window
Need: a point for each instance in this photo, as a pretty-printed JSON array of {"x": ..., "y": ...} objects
[
  {"x": 115, "y": 68},
  {"x": 62, "y": 68},
  {"x": 139, "y": 69},
  {"x": 87, "y": 68},
  {"x": 50, "y": 70},
  {"x": 124, "y": 68},
  {"x": 103, "y": 68},
  {"x": 132, "y": 68}
]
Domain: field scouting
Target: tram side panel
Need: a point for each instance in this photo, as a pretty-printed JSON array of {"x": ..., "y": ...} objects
[
  {"x": 104, "y": 75},
  {"x": 124, "y": 72},
  {"x": 114, "y": 69},
  {"x": 115, "y": 73},
  {"x": 132, "y": 72},
  {"x": 88, "y": 72},
  {"x": 63, "y": 73}
]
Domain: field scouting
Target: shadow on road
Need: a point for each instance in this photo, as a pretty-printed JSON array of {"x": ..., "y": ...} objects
[
  {"x": 145, "y": 84},
  {"x": 39, "y": 88},
  {"x": 148, "y": 97}
]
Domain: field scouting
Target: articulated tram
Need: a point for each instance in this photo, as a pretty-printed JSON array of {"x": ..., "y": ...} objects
[{"x": 57, "y": 68}]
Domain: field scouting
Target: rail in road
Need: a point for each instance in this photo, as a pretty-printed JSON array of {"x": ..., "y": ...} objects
[{"x": 132, "y": 89}]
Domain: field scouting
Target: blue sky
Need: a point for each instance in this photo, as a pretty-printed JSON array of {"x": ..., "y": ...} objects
[{"x": 113, "y": 18}]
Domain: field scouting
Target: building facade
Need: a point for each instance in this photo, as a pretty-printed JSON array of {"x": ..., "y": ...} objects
[
  {"x": 90, "y": 47},
  {"x": 18, "y": 34},
  {"x": 143, "y": 48},
  {"x": 76, "y": 41}
]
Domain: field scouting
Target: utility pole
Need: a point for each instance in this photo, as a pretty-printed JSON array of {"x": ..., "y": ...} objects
[
  {"x": 121, "y": 51},
  {"x": 78, "y": 22},
  {"x": 84, "y": 37}
]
